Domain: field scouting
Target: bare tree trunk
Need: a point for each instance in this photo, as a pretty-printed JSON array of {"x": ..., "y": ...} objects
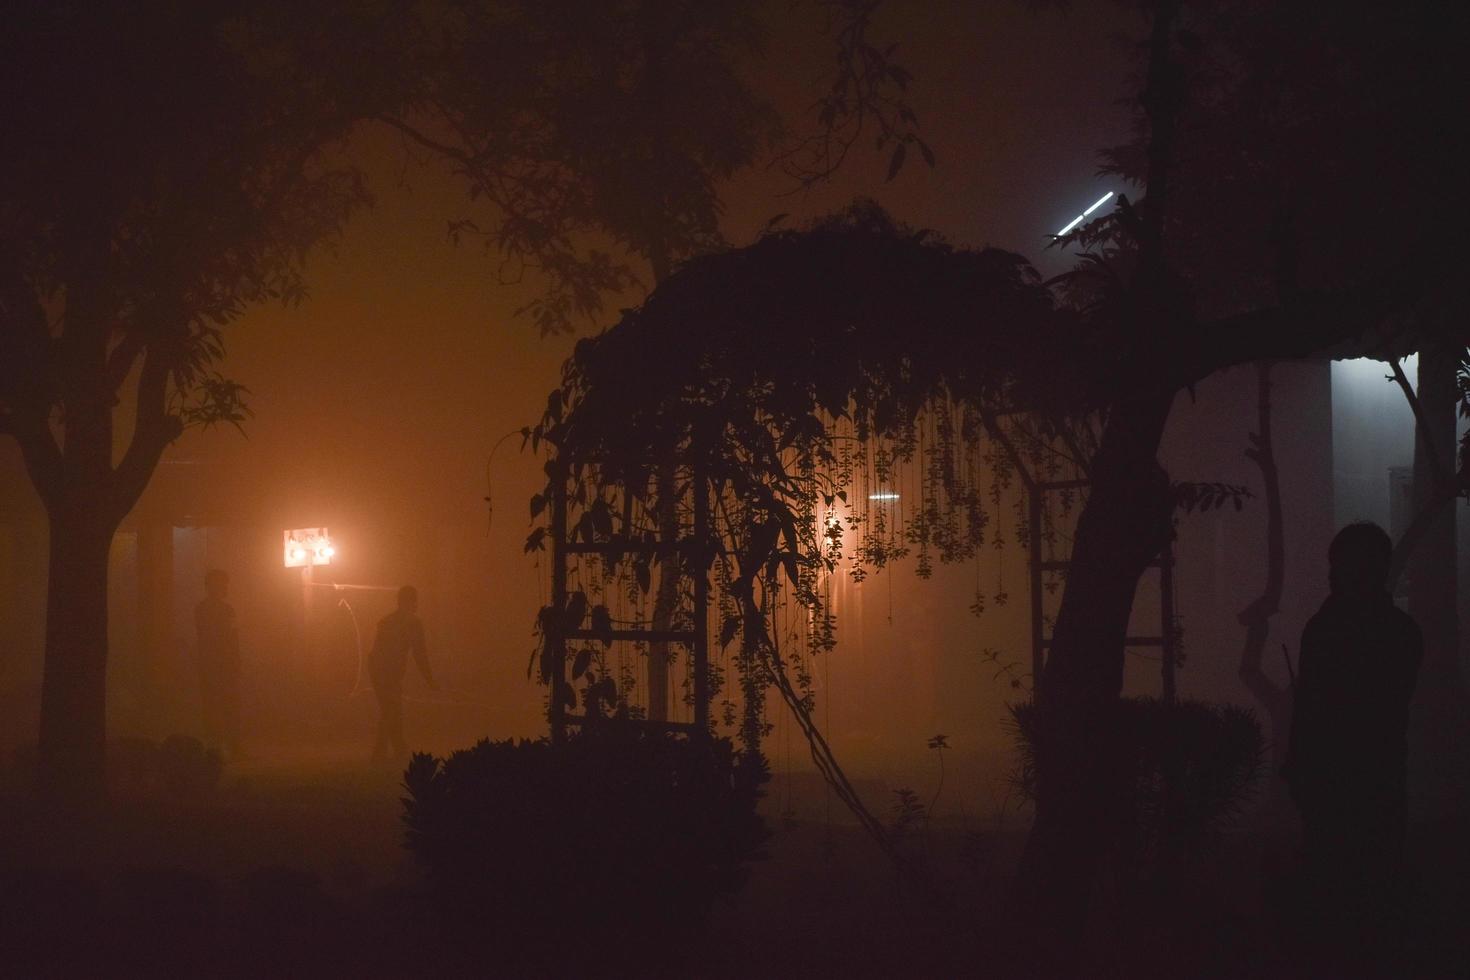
[
  {"x": 1121, "y": 529},
  {"x": 1274, "y": 700},
  {"x": 74, "y": 686},
  {"x": 657, "y": 42},
  {"x": 1440, "y": 724},
  {"x": 86, "y": 497}
]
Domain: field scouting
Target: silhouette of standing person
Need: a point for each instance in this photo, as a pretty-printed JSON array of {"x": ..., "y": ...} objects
[
  {"x": 400, "y": 634},
  {"x": 218, "y": 655},
  {"x": 1347, "y": 754}
]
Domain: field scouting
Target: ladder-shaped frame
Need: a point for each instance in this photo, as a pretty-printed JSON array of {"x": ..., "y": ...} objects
[
  {"x": 558, "y": 632},
  {"x": 1036, "y": 496}
]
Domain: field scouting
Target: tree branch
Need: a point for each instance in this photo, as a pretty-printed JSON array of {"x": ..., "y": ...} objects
[
  {"x": 155, "y": 428},
  {"x": 1256, "y": 616},
  {"x": 1418, "y": 529},
  {"x": 120, "y": 361},
  {"x": 26, "y": 384},
  {"x": 1442, "y": 478},
  {"x": 1160, "y": 100},
  {"x": 429, "y": 143},
  {"x": 1307, "y": 327},
  {"x": 39, "y": 451}
]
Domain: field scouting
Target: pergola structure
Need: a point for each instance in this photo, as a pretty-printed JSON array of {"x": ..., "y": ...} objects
[
  {"x": 691, "y": 554},
  {"x": 1038, "y": 488}
]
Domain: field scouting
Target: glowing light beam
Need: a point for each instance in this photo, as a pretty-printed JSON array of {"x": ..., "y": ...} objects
[
  {"x": 1097, "y": 204},
  {"x": 1081, "y": 217}
]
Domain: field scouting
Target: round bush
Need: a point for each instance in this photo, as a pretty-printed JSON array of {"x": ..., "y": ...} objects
[{"x": 605, "y": 829}]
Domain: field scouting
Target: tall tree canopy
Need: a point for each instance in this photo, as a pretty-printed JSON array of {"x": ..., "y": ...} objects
[{"x": 594, "y": 138}]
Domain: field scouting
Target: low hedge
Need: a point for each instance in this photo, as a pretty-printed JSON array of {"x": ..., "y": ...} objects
[
  {"x": 605, "y": 829},
  {"x": 1174, "y": 774}
]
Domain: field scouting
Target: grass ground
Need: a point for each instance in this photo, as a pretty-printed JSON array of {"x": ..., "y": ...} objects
[{"x": 295, "y": 868}]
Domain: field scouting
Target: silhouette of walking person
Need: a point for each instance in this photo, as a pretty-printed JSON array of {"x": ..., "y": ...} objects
[
  {"x": 218, "y": 656},
  {"x": 400, "y": 634},
  {"x": 1347, "y": 753}
]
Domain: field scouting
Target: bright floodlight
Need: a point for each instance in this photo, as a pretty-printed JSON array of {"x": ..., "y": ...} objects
[
  {"x": 1070, "y": 225},
  {"x": 883, "y": 495},
  {"x": 1078, "y": 220},
  {"x": 307, "y": 546},
  {"x": 1097, "y": 204}
]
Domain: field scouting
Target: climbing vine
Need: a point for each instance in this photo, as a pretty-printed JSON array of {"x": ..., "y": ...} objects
[{"x": 844, "y": 397}]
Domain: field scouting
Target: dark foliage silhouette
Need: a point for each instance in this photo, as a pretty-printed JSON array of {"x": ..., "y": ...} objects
[
  {"x": 116, "y": 279},
  {"x": 603, "y": 830},
  {"x": 1173, "y": 775}
]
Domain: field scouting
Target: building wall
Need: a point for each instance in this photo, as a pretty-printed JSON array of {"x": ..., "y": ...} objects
[{"x": 1221, "y": 554}]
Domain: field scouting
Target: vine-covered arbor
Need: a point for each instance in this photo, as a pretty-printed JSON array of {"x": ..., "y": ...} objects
[{"x": 820, "y": 403}]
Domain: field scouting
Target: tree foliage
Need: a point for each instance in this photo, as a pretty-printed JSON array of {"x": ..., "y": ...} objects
[
  {"x": 598, "y": 834},
  {"x": 592, "y": 135},
  {"x": 806, "y": 375},
  {"x": 1185, "y": 771},
  {"x": 139, "y": 217},
  {"x": 758, "y": 366},
  {"x": 164, "y": 171}
]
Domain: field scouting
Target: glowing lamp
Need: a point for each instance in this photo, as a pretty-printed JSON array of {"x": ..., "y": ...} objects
[
  {"x": 883, "y": 495},
  {"x": 1079, "y": 219},
  {"x": 308, "y": 546}
]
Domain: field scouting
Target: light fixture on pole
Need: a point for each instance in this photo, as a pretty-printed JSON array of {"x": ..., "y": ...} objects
[
  {"x": 308, "y": 546},
  {"x": 305, "y": 548},
  {"x": 1081, "y": 217}
]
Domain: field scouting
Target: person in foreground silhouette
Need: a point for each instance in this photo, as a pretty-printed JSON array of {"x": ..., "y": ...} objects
[
  {"x": 400, "y": 634},
  {"x": 1346, "y": 758},
  {"x": 218, "y": 655}
]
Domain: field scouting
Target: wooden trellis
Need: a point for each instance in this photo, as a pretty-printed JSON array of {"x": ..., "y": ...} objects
[
  {"x": 696, "y": 551},
  {"x": 1037, "y": 491},
  {"x": 696, "y": 556}
]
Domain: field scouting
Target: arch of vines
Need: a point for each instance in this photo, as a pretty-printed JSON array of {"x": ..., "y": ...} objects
[{"x": 796, "y": 381}]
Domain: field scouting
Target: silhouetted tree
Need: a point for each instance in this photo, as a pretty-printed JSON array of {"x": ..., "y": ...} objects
[
  {"x": 1258, "y": 127},
  {"x": 620, "y": 122},
  {"x": 594, "y": 138},
  {"x": 161, "y": 173},
  {"x": 1227, "y": 114},
  {"x": 1274, "y": 699},
  {"x": 1428, "y": 550}
]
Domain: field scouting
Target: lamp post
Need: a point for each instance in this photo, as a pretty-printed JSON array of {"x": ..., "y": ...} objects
[{"x": 305, "y": 548}]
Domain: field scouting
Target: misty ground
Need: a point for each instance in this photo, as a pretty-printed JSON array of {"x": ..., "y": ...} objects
[{"x": 295, "y": 867}]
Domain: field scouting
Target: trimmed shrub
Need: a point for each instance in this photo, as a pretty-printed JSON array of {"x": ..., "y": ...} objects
[
  {"x": 1176, "y": 774},
  {"x": 609, "y": 828}
]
